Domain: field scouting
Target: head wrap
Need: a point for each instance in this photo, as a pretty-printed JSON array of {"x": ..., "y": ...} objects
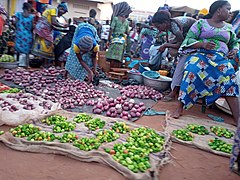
[
  {"x": 64, "y": 6},
  {"x": 121, "y": 9},
  {"x": 85, "y": 43},
  {"x": 2, "y": 10},
  {"x": 204, "y": 11}
]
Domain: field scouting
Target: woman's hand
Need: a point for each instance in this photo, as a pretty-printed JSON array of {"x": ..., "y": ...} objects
[
  {"x": 90, "y": 77},
  {"x": 95, "y": 72},
  {"x": 162, "y": 48},
  {"x": 208, "y": 45},
  {"x": 232, "y": 54}
]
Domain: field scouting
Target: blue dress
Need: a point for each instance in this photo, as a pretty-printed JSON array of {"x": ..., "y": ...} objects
[{"x": 24, "y": 39}]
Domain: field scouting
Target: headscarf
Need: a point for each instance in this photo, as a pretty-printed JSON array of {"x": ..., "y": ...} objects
[
  {"x": 203, "y": 11},
  {"x": 64, "y": 6},
  {"x": 121, "y": 9},
  {"x": 85, "y": 43},
  {"x": 2, "y": 10}
]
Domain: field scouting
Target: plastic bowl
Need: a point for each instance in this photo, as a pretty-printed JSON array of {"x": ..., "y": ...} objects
[
  {"x": 9, "y": 65},
  {"x": 161, "y": 84},
  {"x": 151, "y": 74},
  {"x": 136, "y": 76},
  {"x": 142, "y": 68}
]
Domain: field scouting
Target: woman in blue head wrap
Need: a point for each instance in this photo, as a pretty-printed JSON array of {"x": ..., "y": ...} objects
[
  {"x": 81, "y": 62},
  {"x": 43, "y": 43}
]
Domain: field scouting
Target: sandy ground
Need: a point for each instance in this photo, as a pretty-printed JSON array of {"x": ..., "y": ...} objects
[{"x": 187, "y": 163}]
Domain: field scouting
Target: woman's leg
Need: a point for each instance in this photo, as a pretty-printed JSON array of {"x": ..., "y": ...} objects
[
  {"x": 233, "y": 103},
  {"x": 178, "y": 112}
]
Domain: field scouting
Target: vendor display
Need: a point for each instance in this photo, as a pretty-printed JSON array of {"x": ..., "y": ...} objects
[
  {"x": 74, "y": 95},
  {"x": 126, "y": 147},
  {"x": 211, "y": 136}
]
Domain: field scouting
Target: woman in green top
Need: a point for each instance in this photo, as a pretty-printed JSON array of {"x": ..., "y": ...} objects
[{"x": 118, "y": 34}]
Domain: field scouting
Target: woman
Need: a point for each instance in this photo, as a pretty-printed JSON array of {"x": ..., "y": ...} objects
[
  {"x": 208, "y": 72},
  {"x": 179, "y": 27},
  {"x": 61, "y": 49},
  {"x": 24, "y": 35},
  {"x": 43, "y": 44},
  {"x": 81, "y": 61},
  {"x": 146, "y": 39},
  {"x": 118, "y": 34}
]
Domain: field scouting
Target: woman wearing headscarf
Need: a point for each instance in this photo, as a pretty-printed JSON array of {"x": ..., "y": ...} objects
[
  {"x": 43, "y": 43},
  {"x": 118, "y": 34},
  {"x": 208, "y": 72},
  {"x": 81, "y": 61},
  {"x": 24, "y": 35}
]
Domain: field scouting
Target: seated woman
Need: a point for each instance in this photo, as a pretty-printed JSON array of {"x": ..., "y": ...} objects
[
  {"x": 179, "y": 27},
  {"x": 208, "y": 72},
  {"x": 81, "y": 61}
]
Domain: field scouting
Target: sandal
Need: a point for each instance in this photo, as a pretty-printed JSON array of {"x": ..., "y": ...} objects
[
  {"x": 235, "y": 169},
  {"x": 167, "y": 99}
]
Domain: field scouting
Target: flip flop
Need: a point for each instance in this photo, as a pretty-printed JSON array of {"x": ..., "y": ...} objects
[
  {"x": 167, "y": 99},
  {"x": 235, "y": 170}
]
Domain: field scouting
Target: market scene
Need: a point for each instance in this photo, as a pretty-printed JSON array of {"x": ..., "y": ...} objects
[{"x": 101, "y": 89}]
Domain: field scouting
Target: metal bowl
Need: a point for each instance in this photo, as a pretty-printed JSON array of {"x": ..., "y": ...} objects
[
  {"x": 161, "y": 84},
  {"x": 137, "y": 77},
  {"x": 9, "y": 65}
]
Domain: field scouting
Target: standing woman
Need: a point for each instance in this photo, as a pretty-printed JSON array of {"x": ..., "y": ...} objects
[
  {"x": 81, "y": 61},
  {"x": 118, "y": 34},
  {"x": 43, "y": 43},
  {"x": 24, "y": 35}
]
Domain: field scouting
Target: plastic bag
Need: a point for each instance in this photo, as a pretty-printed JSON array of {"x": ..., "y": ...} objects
[{"x": 155, "y": 62}]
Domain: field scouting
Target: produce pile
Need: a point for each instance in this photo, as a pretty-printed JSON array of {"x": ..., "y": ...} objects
[
  {"x": 7, "y": 58},
  {"x": 127, "y": 147},
  {"x": 73, "y": 94},
  {"x": 204, "y": 134},
  {"x": 23, "y": 106}
]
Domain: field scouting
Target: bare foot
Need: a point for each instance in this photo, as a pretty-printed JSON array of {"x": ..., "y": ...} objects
[{"x": 176, "y": 114}]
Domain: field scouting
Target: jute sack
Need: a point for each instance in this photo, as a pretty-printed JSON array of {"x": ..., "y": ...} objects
[
  {"x": 157, "y": 160},
  {"x": 22, "y": 115},
  {"x": 199, "y": 141}
]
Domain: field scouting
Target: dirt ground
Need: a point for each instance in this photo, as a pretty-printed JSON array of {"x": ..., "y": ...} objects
[{"x": 187, "y": 163}]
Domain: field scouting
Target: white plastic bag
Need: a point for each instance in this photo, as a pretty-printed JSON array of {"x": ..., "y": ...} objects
[{"x": 22, "y": 60}]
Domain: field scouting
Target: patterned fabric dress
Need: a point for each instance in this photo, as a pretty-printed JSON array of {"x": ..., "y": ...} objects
[
  {"x": 146, "y": 39},
  {"x": 73, "y": 66},
  {"x": 24, "y": 27},
  {"x": 208, "y": 73},
  {"x": 117, "y": 44},
  {"x": 43, "y": 43}
]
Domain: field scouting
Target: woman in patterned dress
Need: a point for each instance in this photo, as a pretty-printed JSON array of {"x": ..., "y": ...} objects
[
  {"x": 118, "y": 34},
  {"x": 179, "y": 27},
  {"x": 208, "y": 72},
  {"x": 81, "y": 61},
  {"x": 43, "y": 44},
  {"x": 24, "y": 35}
]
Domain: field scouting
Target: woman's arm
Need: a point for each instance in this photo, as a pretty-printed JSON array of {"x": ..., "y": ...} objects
[{"x": 85, "y": 66}]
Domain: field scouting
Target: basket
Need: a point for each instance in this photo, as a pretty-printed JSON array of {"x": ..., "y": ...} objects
[
  {"x": 161, "y": 84},
  {"x": 9, "y": 65},
  {"x": 137, "y": 77}
]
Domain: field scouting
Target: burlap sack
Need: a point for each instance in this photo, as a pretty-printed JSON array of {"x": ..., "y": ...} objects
[
  {"x": 199, "y": 141},
  {"x": 22, "y": 115},
  {"x": 157, "y": 159}
]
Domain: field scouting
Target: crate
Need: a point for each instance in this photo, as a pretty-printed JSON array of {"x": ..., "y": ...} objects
[{"x": 102, "y": 62}]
